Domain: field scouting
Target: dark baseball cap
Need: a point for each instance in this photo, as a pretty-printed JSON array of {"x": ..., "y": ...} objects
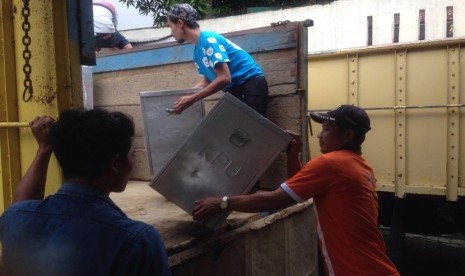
[
  {"x": 183, "y": 11},
  {"x": 350, "y": 116}
]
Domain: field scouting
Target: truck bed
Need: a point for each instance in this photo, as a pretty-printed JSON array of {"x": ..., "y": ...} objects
[{"x": 244, "y": 240}]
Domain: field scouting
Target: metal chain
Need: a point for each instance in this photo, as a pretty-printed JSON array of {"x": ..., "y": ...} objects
[{"x": 27, "y": 69}]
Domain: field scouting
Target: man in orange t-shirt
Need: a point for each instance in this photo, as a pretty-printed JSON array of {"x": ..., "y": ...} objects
[{"x": 343, "y": 187}]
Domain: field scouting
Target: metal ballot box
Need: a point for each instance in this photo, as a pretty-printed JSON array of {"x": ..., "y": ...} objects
[
  {"x": 164, "y": 131},
  {"x": 225, "y": 155}
]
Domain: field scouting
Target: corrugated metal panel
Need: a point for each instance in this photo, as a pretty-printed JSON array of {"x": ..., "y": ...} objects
[
  {"x": 413, "y": 95},
  {"x": 225, "y": 155}
]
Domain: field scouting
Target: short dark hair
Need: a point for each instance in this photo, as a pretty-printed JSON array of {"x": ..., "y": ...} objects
[{"x": 84, "y": 142}]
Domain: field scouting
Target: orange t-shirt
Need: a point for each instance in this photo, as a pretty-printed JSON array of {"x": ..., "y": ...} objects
[{"x": 343, "y": 189}]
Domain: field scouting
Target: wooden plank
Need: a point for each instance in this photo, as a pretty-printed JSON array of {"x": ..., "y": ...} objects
[
  {"x": 283, "y": 112},
  {"x": 122, "y": 89},
  {"x": 146, "y": 58},
  {"x": 125, "y": 90},
  {"x": 282, "y": 89},
  {"x": 280, "y": 38}
]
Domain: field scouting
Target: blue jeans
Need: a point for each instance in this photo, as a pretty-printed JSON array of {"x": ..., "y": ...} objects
[{"x": 114, "y": 40}]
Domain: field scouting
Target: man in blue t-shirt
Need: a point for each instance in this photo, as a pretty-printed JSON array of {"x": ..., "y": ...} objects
[{"x": 222, "y": 64}]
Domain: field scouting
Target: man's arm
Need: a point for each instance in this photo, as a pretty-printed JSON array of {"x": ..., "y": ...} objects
[
  {"x": 223, "y": 78},
  {"x": 32, "y": 185},
  {"x": 253, "y": 203},
  {"x": 293, "y": 149},
  {"x": 203, "y": 82},
  {"x": 257, "y": 202}
]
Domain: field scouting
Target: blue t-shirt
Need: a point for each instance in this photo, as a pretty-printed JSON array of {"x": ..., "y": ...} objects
[
  {"x": 78, "y": 231},
  {"x": 214, "y": 48}
]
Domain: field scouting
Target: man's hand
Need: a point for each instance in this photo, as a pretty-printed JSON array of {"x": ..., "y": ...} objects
[
  {"x": 293, "y": 149},
  {"x": 295, "y": 144},
  {"x": 206, "y": 208},
  {"x": 40, "y": 127},
  {"x": 183, "y": 103}
]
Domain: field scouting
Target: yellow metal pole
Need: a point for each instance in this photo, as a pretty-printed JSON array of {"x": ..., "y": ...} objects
[
  {"x": 13, "y": 124},
  {"x": 43, "y": 100},
  {"x": 35, "y": 34},
  {"x": 9, "y": 137}
]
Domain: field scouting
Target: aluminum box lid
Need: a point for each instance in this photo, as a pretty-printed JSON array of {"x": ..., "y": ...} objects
[
  {"x": 165, "y": 132},
  {"x": 225, "y": 155}
]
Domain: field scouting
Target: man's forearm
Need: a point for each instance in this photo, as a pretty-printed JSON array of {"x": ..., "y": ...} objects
[
  {"x": 32, "y": 185},
  {"x": 213, "y": 87},
  {"x": 261, "y": 201}
]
